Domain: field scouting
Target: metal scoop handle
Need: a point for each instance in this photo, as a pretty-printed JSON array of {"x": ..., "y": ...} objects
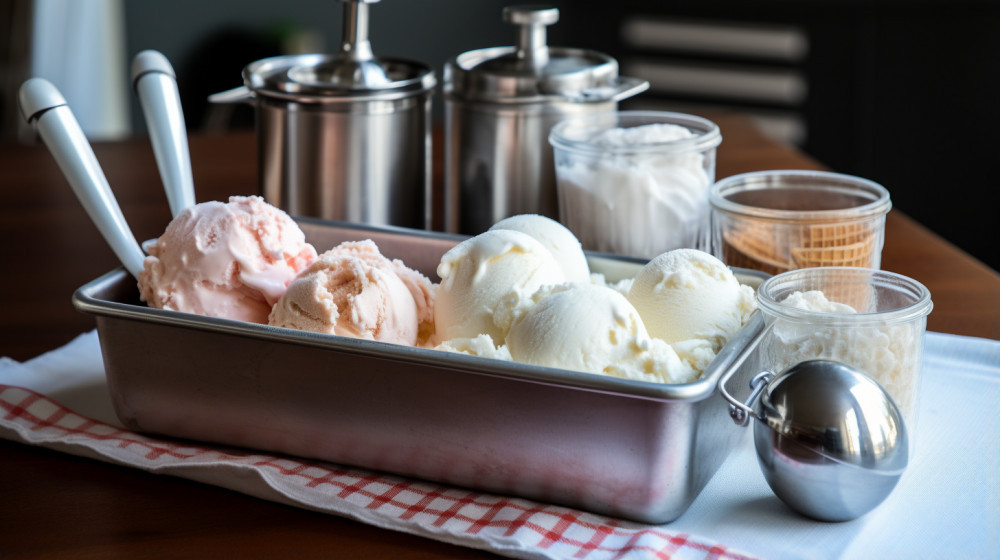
[
  {"x": 45, "y": 108},
  {"x": 155, "y": 84}
]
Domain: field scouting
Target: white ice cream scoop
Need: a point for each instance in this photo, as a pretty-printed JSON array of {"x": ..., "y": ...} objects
[
  {"x": 481, "y": 273},
  {"x": 557, "y": 238},
  {"x": 830, "y": 441}
]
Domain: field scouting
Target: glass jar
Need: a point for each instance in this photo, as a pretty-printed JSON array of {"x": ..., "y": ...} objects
[
  {"x": 781, "y": 220},
  {"x": 873, "y": 320},
  {"x": 636, "y": 183}
]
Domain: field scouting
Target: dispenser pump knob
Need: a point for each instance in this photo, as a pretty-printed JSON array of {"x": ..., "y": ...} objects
[{"x": 532, "y": 20}]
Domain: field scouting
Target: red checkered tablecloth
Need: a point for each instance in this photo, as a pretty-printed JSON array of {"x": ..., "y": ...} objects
[
  {"x": 507, "y": 526},
  {"x": 60, "y": 400}
]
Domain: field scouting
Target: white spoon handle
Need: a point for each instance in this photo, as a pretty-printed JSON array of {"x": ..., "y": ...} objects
[
  {"x": 156, "y": 86},
  {"x": 44, "y": 107}
]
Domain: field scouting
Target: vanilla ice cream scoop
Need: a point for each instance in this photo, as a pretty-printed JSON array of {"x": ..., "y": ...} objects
[
  {"x": 481, "y": 346},
  {"x": 557, "y": 238},
  {"x": 479, "y": 273},
  {"x": 688, "y": 294},
  {"x": 231, "y": 260},
  {"x": 592, "y": 328},
  {"x": 351, "y": 290}
]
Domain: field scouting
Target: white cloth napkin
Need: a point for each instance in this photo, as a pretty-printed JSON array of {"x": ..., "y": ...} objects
[{"x": 947, "y": 505}]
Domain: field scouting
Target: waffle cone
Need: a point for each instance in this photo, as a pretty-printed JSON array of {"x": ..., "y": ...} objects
[
  {"x": 854, "y": 254},
  {"x": 817, "y": 236},
  {"x": 775, "y": 247},
  {"x": 751, "y": 249}
]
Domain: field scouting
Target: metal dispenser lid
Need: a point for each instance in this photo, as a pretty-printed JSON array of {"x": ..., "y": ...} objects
[
  {"x": 532, "y": 70},
  {"x": 353, "y": 72}
]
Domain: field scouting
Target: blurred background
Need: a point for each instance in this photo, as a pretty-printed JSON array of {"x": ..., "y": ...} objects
[{"x": 903, "y": 93}]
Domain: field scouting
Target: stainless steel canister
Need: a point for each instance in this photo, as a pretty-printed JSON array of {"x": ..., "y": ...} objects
[
  {"x": 344, "y": 136},
  {"x": 500, "y": 104}
]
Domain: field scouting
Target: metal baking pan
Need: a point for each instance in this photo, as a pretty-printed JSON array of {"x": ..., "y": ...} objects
[{"x": 631, "y": 449}]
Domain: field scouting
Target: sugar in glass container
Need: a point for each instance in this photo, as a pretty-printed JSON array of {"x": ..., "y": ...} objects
[{"x": 873, "y": 320}]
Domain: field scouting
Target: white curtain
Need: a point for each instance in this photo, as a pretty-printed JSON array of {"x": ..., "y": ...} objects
[{"x": 79, "y": 46}]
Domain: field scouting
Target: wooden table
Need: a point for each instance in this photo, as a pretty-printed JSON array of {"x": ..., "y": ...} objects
[{"x": 55, "y": 505}]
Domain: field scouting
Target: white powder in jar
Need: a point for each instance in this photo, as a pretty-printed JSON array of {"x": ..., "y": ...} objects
[
  {"x": 888, "y": 353},
  {"x": 640, "y": 203}
]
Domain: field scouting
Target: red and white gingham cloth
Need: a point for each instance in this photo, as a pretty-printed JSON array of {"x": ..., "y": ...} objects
[
  {"x": 507, "y": 526},
  {"x": 947, "y": 504}
]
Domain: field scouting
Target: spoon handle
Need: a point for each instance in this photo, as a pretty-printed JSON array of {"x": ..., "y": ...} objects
[
  {"x": 44, "y": 107},
  {"x": 155, "y": 84}
]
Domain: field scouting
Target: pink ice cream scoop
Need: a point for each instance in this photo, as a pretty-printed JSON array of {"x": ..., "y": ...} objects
[
  {"x": 231, "y": 260},
  {"x": 421, "y": 288},
  {"x": 353, "y": 290}
]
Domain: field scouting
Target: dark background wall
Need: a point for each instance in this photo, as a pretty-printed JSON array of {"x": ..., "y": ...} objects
[{"x": 903, "y": 93}]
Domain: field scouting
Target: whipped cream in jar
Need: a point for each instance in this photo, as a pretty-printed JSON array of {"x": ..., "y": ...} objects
[{"x": 636, "y": 183}]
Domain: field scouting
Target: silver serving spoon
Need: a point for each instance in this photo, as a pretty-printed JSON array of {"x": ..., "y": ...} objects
[
  {"x": 830, "y": 440},
  {"x": 155, "y": 85},
  {"x": 45, "y": 109}
]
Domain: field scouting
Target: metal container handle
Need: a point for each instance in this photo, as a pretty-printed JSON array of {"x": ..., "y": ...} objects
[
  {"x": 621, "y": 88},
  {"x": 626, "y": 87},
  {"x": 241, "y": 94},
  {"x": 741, "y": 412}
]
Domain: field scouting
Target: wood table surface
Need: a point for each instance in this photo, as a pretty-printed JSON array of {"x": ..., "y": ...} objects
[{"x": 55, "y": 505}]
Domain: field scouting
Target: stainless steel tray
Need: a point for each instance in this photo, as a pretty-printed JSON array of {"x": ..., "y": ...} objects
[{"x": 630, "y": 449}]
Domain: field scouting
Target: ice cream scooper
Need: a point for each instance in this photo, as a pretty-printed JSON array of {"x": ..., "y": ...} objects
[
  {"x": 830, "y": 440},
  {"x": 45, "y": 108},
  {"x": 155, "y": 84}
]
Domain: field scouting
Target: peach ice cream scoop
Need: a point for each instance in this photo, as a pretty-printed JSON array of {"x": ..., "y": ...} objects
[
  {"x": 232, "y": 260},
  {"x": 353, "y": 290},
  {"x": 420, "y": 287}
]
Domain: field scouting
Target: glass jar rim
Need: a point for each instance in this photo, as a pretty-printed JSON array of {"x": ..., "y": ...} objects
[
  {"x": 800, "y": 178},
  {"x": 707, "y": 134},
  {"x": 771, "y": 306}
]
